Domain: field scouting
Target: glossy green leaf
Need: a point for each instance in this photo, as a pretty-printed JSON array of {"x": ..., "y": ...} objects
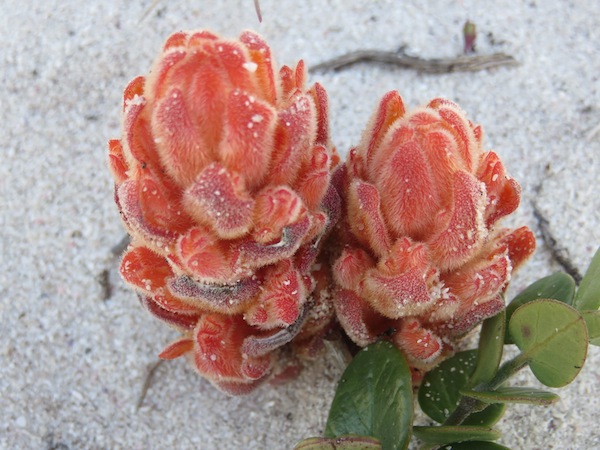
[
  {"x": 592, "y": 320},
  {"x": 474, "y": 445},
  {"x": 339, "y": 443},
  {"x": 488, "y": 417},
  {"x": 553, "y": 338},
  {"x": 446, "y": 434},
  {"x": 514, "y": 395},
  {"x": 439, "y": 392},
  {"x": 489, "y": 353},
  {"x": 588, "y": 294},
  {"x": 559, "y": 286},
  {"x": 374, "y": 398}
]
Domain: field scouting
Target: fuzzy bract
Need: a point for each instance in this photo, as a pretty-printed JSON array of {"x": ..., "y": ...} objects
[
  {"x": 222, "y": 180},
  {"x": 422, "y": 258}
]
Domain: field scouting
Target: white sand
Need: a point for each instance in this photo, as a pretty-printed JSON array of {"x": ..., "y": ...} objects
[{"x": 72, "y": 365}]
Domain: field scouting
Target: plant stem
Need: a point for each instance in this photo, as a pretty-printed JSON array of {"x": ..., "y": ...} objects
[
  {"x": 465, "y": 408},
  {"x": 507, "y": 370},
  {"x": 468, "y": 405}
]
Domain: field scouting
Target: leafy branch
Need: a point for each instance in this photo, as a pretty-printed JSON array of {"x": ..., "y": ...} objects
[{"x": 551, "y": 322}]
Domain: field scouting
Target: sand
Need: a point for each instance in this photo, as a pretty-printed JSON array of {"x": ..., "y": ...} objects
[{"x": 72, "y": 363}]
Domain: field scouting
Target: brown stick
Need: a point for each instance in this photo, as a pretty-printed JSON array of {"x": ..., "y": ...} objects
[
  {"x": 257, "y": 9},
  {"x": 463, "y": 63},
  {"x": 105, "y": 284},
  {"x": 118, "y": 249},
  {"x": 560, "y": 255},
  {"x": 147, "y": 382}
]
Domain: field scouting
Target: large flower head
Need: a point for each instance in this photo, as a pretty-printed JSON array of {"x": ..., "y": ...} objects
[
  {"x": 222, "y": 180},
  {"x": 424, "y": 259}
]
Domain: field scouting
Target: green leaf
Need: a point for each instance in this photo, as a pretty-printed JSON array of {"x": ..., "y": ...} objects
[
  {"x": 489, "y": 353},
  {"x": 553, "y": 338},
  {"x": 439, "y": 392},
  {"x": 488, "y": 417},
  {"x": 446, "y": 434},
  {"x": 374, "y": 398},
  {"x": 592, "y": 320},
  {"x": 339, "y": 443},
  {"x": 559, "y": 286},
  {"x": 588, "y": 294},
  {"x": 514, "y": 395},
  {"x": 474, "y": 445}
]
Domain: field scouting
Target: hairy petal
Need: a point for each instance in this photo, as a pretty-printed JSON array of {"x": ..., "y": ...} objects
[
  {"x": 226, "y": 299},
  {"x": 454, "y": 120},
  {"x": 408, "y": 175},
  {"x": 217, "y": 350},
  {"x": 482, "y": 280},
  {"x": 422, "y": 346},
  {"x": 182, "y": 322},
  {"x": 260, "y": 54},
  {"x": 281, "y": 299},
  {"x": 313, "y": 179},
  {"x": 116, "y": 161},
  {"x": 521, "y": 245},
  {"x": 365, "y": 218},
  {"x": 351, "y": 267},
  {"x": 403, "y": 283},
  {"x": 465, "y": 231},
  {"x": 180, "y": 141},
  {"x": 207, "y": 258},
  {"x": 354, "y": 316},
  {"x": 263, "y": 345},
  {"x": 295, "y": 130},
  {"x": 218, "y": 198},
  {"x": 391, "y": 108},
  {"x": 504, "y": 193},
  {"x": 177, "y": 349},
  {"x": 254, "y": 254},
  {"x": 249, "y": 133},
  {"x": 477, "y": 314},
  {"x": 127, "y": 198},
  {"x": 276, "y": 208}
]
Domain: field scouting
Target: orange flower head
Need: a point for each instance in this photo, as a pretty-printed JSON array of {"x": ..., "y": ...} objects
[
  {"x": 423, "y": 257},
  {"x": 222, "y": 180}
]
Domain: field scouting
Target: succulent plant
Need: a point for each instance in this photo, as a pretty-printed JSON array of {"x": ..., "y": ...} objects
[
  {"x": 421, "y": 257},
  {"x": 223, "y": 178},
  {"x": 223, "y": 182}
]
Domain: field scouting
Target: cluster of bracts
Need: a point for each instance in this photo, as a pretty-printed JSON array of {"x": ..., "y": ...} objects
[{"x": 254, "y": 240}]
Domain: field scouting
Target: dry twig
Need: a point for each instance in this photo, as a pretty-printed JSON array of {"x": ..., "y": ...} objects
[
  {"x": 147, "y": 382},
  {"x": 257, "y": 8},
  {"x": 119, "y": 248},
  {"x": 593, "y": 132},
  {"x": 149, "y": 10},
  {"x": 463, "y": 63},
  {"x": 104, "y": 282},
  {"x": 559, "y": 254}
]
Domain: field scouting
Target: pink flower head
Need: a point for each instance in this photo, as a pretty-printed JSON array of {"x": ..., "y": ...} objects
[
  {"x": 424, "y": 260},
  {"x": 222, "y": 179}
]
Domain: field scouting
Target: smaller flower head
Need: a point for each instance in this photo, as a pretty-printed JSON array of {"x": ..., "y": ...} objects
[{"x": 423, "y": 256}]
